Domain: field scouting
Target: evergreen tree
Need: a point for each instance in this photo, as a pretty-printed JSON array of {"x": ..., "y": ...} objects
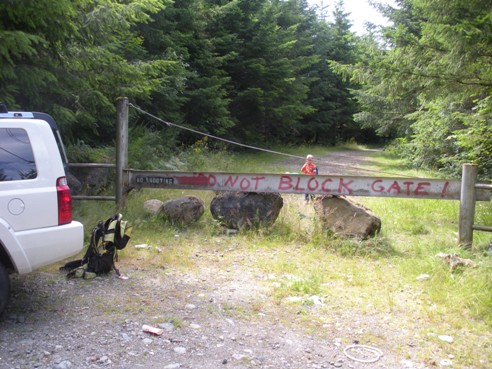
[
  {"x": 332, "y": 121},
  {"x": 76, "y": 58},
  {"x": 429, "y": 84},
  {"x": 191, "y": 95},
  {"x": 30, "y": 34},
  {"x": 267, "y": 88}
]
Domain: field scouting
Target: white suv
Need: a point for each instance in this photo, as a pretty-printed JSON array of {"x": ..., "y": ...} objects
[{"x": 36, "y": 226}]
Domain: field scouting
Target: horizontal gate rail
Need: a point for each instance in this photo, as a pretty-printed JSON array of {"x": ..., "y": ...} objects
[
  {"x": 89, "y": 197},
  {"x": 92, "y": 165},
  {"x": 419, "y": 188}
]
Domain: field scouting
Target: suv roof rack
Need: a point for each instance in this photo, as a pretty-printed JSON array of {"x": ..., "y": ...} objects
[{"x": 5, "y": 113}]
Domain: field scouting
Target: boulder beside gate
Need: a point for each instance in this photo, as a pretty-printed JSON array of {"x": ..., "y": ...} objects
[
  {"x": 184, "y": 210},
  {"x": 345, "y": 217},
  {"x": 246, "y": 209}
]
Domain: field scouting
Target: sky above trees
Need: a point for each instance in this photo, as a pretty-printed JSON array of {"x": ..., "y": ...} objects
[{"x": 360, "y": 12}]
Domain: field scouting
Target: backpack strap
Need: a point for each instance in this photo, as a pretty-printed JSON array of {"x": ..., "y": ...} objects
[
  {"x": 116, "y": 270},
  {"x": 96, "y": 238},
  {"x": 117, "y": 231}
]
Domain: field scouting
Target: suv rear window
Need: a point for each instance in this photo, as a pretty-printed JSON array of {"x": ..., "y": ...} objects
[{"x": 16, "y": 156}]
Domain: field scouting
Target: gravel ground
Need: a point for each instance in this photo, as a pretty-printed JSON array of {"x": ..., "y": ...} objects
[{"x": 210, "y": 318}]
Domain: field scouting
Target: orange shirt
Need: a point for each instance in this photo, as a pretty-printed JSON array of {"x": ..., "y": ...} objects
[{"x": 309, "y": 168}]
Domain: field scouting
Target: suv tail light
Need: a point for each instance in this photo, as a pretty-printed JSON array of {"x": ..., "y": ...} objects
[{"x": 64, "y": 201}]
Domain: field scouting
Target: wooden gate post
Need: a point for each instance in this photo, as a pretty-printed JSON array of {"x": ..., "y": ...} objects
[
  {"x": 467, "y": 205},
  {"x": 121, "y": 152}
]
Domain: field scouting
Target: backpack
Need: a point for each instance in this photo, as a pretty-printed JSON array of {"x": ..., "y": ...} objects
[{"x": 107, "y": 238}]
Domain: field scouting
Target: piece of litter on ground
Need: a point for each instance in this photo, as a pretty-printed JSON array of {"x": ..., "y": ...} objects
[
  {"x": 142, "y": 246},
  {"x": 446, "y": 362},
  {"x": 445, "y": 338},
  {"x": 153, "y": 330},
  {"x": 363, "y": 353},
  {"x": 121, "y": 276},
  {"x": 423, "y": 277}
]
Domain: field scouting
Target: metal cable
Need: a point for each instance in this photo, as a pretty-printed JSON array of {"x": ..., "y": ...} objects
[{"x": 169, "y": 124}]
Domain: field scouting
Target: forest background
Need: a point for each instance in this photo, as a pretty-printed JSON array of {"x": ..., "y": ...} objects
[{"x": 259, "y": 72}]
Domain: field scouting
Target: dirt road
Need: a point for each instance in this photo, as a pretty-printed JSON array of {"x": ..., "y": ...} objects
[
  {"x": 219, "y": 316},
  {"x": 348, "y": 162}
]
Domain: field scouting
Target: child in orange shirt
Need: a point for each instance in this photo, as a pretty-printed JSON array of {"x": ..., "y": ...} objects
[{"x": 311, "y": 169}]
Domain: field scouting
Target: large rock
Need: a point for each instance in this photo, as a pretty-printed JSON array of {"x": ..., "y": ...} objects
[
  {"x": 345, "y": 217},
  {"x": 183, "y": 210},
  {"x": 153, "y": 206},
  {"x": 246, "y": 209}
]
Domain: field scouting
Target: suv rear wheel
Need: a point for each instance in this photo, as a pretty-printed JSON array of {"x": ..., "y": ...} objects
[{"x": 4, "y": 288}]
